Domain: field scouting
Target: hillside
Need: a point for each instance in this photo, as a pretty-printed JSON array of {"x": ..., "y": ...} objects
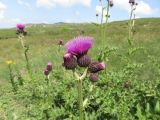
[{"x": 129, "y": 83}]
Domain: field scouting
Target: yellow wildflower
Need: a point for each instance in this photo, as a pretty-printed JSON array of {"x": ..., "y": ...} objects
[{"x": 9, "y": 62}]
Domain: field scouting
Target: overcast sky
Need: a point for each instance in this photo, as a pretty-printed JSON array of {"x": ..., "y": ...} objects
[{"x": 51, "y": 11}]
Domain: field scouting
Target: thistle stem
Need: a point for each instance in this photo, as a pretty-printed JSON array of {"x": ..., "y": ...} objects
[
  {"x": 101, "y": 26},
  {"x": 12, "y": 79},
  {"x": 80, "y": 97},
  {"x": 130, "y": 26},
  {"x": 80, "y": 91},
  {"x": 107, "y": 16}
]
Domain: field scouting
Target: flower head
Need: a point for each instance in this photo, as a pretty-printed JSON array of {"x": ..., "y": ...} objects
[
  {"x": 9, "y": 62},
  {"x": 96, "y": 67},
  {"x": 79, "y": 46},
  {"x": 20, "y": 27}
]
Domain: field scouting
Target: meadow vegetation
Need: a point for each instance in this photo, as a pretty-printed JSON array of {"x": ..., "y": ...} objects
[{"x": 128, "y": 89}]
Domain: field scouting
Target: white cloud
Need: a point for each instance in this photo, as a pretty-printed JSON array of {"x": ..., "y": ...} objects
[
  {"x": 2, "y": 10},
  {"x": 64, "y": 3},
  {"x": 142, "y": 9},
  {"x": 5, "y": 20},
  {"x": 21, "y": 2}
]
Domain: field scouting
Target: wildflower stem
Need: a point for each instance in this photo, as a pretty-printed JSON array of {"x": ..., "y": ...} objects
[
  {"x": 27, "y": 60},
  {"x": 107, "y": 16},
  {"x": 12, "y": 78},
  {"x": 101, "y": 26},
  {"x": 80, "y": 91},
  {"x": 130, "y": 26},
  {"x": 26, "y": 48},
  {"x": 80, "y": 97}
]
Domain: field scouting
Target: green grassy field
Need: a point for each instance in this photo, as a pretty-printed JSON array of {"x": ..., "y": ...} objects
[{"x": 110, "y": 100}]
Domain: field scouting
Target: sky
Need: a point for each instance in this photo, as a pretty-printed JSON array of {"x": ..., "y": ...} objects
[{"x": 71, "y": 11}]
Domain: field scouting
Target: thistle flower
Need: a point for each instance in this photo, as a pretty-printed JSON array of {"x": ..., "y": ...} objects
[
  {"x": 111, "y": 3},
  {"x": 96, "y": 67},
  {"x": 84, "y": 61},
  {"x": 70, "y": 61},
  {"x": 93, "y": 77},
  {"x": 49, "y": 66},
  {"x": 20, "y": 29},
  {"x": 79, "y": 46}
]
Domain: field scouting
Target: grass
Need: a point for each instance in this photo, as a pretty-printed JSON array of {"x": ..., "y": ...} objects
[{"x": 43, "y": 40}]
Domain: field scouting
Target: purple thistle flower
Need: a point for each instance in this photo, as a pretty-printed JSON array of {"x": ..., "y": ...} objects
[
  {"x": 96, "y": 67},
  {"x": 70, "y": 61},
  {"x": 20, "y": 27},
  {"x": 46, "y": 72},
  {"x": 79, "y": 46},
  {"x": 49, "y": 66},
  {"x": 93, "y": 77}
]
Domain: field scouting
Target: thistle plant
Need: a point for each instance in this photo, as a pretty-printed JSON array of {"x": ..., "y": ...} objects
[
  {"x": 21, "y": 33},
  {"x": 104, "y": 14},
  {"x": 75, "y": 56},
  {"x": 131, "y": 21},
  {"x": 47, "y": 71},
  {"x": 9, "y": 63}
]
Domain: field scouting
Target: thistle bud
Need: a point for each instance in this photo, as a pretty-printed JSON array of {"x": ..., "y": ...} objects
[
  {"x": 84, "y": 61},
  {"x": 93, "y": 77},
  {"x": 46, "y": 72},
  {"x": 96, "y": 67},
  {"x": 49, "y": 66},
  {"x": 126, "y": 84},
  {"x": 61, "y": 42},
  {"x": 111, "y": 3},
  {"x": 70, "y": 61},
  {"x": 132, "y": 2}
]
